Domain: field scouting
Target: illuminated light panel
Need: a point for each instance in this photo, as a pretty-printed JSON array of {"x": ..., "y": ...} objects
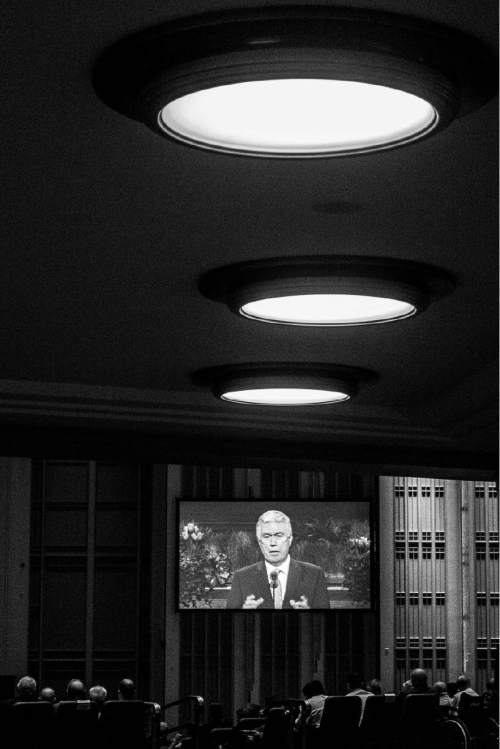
[
  {"x": 281, "y": 396},
  {"x": 327, "y": 309},
  {"x": 292, "y": 116}
]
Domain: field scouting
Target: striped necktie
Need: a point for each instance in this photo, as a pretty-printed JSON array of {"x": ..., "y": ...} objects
[{"x": 277, "y": 589}]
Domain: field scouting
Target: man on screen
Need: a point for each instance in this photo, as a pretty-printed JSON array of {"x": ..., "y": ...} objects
[{"x": 277, "y": 581}]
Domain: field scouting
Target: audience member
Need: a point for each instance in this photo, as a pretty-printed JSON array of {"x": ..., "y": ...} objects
[
  {"x": 126, "y": 690},
  {"x": 445, "y": 701},
  {"x": 463, "y": 686},
  {"x": 26, "y": 689},
  {"x": 356, "y": 687},
  {"x": 98, "y": 694},
  {"x": 419, "y": 684},
  {"x": 47, "y": 694},
  {"x": 76, "y": 690},
  {"x": 315, "y": 696},
  {"x": 375, "y": 686}
]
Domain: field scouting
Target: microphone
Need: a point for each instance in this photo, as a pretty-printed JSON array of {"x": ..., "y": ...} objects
[{"x": 274, "y": 581}]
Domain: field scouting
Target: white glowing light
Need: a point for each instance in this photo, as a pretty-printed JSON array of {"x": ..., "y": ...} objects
[
  {"x": 327, "y": 309},
  {"x": 282, "y": 396},
  {"x": 298, "y": 116}
]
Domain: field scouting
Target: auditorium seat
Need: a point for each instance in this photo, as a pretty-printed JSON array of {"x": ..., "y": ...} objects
[
  {"x": 77, "y": 724},
  {"x": 339, "y": 726},
  {"x": 377, "y": 724},
  {"x": 419, "y": 718},
  {"x": 129, "y": 724},
  {"x": 278, "y": 729},
  {"x": 31, "y": 725}
]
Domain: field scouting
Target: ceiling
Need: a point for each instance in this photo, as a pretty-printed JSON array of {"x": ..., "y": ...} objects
[{"x": 107, "y": 228}]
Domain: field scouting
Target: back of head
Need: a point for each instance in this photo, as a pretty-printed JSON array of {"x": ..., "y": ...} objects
[
  {"x": 419, "y": 679},
  {"x": 439, "y": 687},
  {"x": 98, "y": 694},
  {"x": 375, "y": 686},
  {"x": 463, "y": 682},
  {"x": 313, "y": 688},
  {"x": 126, "y": 690},
  {"x": 76, "y": 690},
  {"x": 47, "y": 694},
  {"x": 26, "y": 689}
]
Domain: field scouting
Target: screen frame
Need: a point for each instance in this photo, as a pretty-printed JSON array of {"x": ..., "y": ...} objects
[{"x": 277, "y": 503}]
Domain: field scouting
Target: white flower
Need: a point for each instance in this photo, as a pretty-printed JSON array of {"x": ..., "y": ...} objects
[
  {"x": 185, "y": 534},
  {"x": 190, "y": 527}
]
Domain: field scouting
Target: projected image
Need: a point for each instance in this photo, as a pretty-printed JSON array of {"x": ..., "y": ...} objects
[{"x": 267, "y": 555}]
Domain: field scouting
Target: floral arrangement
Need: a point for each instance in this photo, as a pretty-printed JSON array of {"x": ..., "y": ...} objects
[
  {"x": 202, "y": 566},
  {"x": 357, "y": 567}
]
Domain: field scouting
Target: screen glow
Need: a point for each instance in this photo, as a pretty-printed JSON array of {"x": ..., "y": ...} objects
[
  {"x": 297, "y": 116},
  {"x": 281, "y": 396},
  {"x": 327, "y": 309}
]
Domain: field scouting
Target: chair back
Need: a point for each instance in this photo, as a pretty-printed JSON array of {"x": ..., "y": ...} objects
[
  {"x": 339, "y": 723},
  {"x": 420, "y": 711},
  {"x": 77, "y": 724},
  {"x": 32, "y": 724},
  {"x": 278, "y": 729},
  {"x": 374, "y": 720},
  {"x": 129, "y": 724},
  {"x": 471, "y": 713}
]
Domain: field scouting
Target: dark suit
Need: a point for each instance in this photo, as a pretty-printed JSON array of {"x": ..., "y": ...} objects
[{"x": 304, "y": 579}]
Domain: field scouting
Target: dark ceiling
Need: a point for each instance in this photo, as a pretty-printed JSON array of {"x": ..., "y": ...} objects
[{"x": 107, "y": 228}]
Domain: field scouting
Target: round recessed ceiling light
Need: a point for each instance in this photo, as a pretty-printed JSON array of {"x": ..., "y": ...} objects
[
  {"x": 296, "y": 82},
  {"x": 326, "y": 291},
  {"x": 297, "y": 116},
  {"x": 283, "y": 384}
]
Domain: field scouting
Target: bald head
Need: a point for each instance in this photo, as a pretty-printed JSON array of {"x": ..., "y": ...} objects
[{"x": 418, "y": 678}]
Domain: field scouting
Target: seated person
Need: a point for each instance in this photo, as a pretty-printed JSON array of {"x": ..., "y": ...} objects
[
  {"x": 375, "y": 686},
  {"x": 26, "y": 690},
  {"x": 98, "y": 695},
  {"x": 76, "y": 690},
  {"x": 126, "y": 690},
  {"x": 445, "y": 701},
  {"x": 315, "y": 696},
  {"x": 47, "y": 694},
  {"x": 356, "y": 687},
  {"x": 463, "y": 686}
]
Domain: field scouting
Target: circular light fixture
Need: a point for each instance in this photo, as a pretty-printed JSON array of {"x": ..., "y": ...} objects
[
  {"x": 283, "y": 384},
  {"x": 326, "y": 291},
  {"x": 296, "y": 82}
]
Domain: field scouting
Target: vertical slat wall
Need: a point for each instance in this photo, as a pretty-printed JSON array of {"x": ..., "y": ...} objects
[
  {"x": 89, "y": 566},
  {"x": 283, "y": 651},
  {"x": 485, "y": 516},
  {"x": 420, "y": 577},
  {"x": 426, "y": 602}
]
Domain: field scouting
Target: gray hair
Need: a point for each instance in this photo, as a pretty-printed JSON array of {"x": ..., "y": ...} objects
[{"x": 273, "y": 516}]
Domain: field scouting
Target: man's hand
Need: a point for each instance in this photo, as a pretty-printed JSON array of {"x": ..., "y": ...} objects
[
  {"x": 252, "y": 603},
  {"x": 302, "y": 603}
]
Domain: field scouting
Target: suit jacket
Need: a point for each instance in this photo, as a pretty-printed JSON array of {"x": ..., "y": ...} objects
[{"x": 304, "y": 579}]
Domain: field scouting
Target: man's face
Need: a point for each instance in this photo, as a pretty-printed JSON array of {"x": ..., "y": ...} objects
[{"x": 274, "y": 542}]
